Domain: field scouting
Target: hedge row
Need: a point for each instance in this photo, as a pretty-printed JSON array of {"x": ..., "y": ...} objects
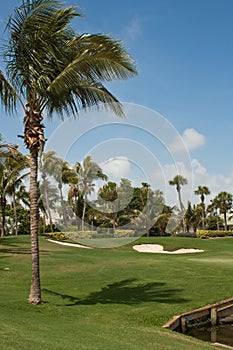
[
  {"x": 94, "y": 234},
  {"x": 213, "y": 233}
]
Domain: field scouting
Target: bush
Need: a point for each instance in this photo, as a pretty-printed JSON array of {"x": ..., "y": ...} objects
[
  {"x": 82, "y": 235},
  {"x": 123, "y": 233},
  {"x": 47, "y": 229},
  {"x": 56, "y": 236},
  {"x": 213, "y": 233}
]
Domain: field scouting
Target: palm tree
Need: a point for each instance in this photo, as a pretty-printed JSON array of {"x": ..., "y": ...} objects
[
  {"x": 179, "y": 181},
  {"x": 64, "y": 175},
  {"x": 50, "y": 68},
  {"x": 223, "y": 202},
  {"x": 59, "y": 169},
  {"x": 47, "y": 164},
  {"x": 49, "y": 197},
  {"x": 109, "y": 194},
  {"x": 11, "y": 176},
  {"x": 202, "y": 191},
  {"x": 87, "y": 173}
]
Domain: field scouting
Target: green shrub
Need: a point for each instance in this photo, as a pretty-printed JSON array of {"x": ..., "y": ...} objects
[
  {"x": 82, "y": 234},
  {"x": 123, "y": 233},
  {"x": 213, "y": 233},
  {"x": 56, "y": 236}
]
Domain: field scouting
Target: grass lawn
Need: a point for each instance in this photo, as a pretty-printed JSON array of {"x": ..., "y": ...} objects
[{"x": 109, "y": 299}]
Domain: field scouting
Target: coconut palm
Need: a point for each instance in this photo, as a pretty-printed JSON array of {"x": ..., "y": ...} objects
[
  {"x": 50, "y": 68},
  {"x": 202, "y": 191}
]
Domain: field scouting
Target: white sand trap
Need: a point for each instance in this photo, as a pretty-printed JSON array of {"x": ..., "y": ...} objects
[
  {"x": 157, "y": 248},
  {"x": 70, "y": 244}
]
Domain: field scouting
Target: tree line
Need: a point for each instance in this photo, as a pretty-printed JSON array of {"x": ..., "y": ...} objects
[{"x": 66, "y": 202}]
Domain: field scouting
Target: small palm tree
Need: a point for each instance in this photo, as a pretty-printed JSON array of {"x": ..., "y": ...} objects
[
  {"x": 202, "y": 191},
  {"x": 50, "y": 68}
]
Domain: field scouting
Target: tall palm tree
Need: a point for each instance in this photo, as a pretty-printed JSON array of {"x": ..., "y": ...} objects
[
  {"x": 50, "y": 68},
  {"x": 179, "y": 181},
  {"x": 202, "y": 191}
]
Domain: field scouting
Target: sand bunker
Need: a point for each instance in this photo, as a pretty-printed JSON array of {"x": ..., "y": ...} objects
[
  {"x": 157, "y": 248},
  {"x": 70, "y": 244}
]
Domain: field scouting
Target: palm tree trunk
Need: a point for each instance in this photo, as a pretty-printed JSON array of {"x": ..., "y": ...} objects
[
  {"x": 83, "y": 214},
  {"x": 35, "y": 292},
  {"x": 182, "y": 210},
  {"x": 64, "y": 212},
  {"x": 15, "y": 213},
  {"x": 203, "y": 215},
  {"x": 48, "y": 208},
  {"x": 225, "y": 220},
  {"x": 3, "y": 207}
]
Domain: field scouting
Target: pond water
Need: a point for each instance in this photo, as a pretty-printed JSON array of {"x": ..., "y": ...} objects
[{"x": 221, "y": 334}]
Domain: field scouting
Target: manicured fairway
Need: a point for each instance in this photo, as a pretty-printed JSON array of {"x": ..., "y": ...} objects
[{"x": 115, "y": 299}]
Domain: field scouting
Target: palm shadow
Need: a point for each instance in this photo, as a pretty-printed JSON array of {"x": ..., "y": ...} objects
[{"x": 127, "y": 292}]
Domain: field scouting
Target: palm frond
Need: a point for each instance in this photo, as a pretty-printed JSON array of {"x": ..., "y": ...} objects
[
  {"x": 83, "y": 96},
  {"x": 8, "y": 94}
]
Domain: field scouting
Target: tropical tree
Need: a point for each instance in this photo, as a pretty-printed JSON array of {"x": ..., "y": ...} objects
[
  {"x": 11, "y": 176},
  {"x": 47, "y": 166},
  {"x": 179, "y": 181},
  {"x": 88, "y": 172},
  {"x": 51, "y": 68},
  {"x": 193, "y": 217},
  {"x": 161, "y": 223},
  {"x": 109, "y": 194},
  {"x": 202, "y": 191},
  {"x": 49, "y": 198},
  {"x": 152, "y": 204},
  {"x": 223, "y": 203},
  {"x": 53, "y": 166}
]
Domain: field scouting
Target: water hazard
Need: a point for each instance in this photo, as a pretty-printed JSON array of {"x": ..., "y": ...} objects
[{"x": 222, "y": 334}]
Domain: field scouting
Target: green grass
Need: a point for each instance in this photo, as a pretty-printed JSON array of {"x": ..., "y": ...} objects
[{"x": 109, "y": 299}]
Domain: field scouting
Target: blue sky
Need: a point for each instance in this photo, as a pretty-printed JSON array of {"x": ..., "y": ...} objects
[{"x": 183, "y": 50}]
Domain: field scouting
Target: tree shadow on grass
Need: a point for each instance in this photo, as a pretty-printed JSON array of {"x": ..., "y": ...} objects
[
  {"x": 16, "y": 250},
  {"x": 126, "y": 292}
]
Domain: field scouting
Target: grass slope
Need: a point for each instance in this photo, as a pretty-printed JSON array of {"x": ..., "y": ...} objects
[{"x": 115, "y": 299}]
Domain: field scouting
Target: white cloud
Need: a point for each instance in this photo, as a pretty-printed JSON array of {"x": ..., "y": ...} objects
[
  {"x": 118, "y": 167},
  {"x": 134, "y": 30},
  {"x": 191, "y": 139},
  {"x": 197, "y": 175}
]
